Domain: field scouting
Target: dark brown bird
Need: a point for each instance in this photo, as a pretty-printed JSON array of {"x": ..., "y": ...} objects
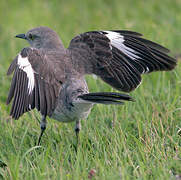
[{"x": 50, "y": 78}]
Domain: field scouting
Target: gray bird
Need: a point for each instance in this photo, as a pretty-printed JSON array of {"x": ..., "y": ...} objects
[{"x": 50, "y": 78}]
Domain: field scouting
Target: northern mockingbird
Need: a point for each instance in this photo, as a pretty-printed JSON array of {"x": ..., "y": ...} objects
[{"x": 50, "y": 78}]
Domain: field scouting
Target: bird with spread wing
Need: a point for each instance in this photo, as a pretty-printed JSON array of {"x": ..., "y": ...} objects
[{"x": 50, "y": 78}]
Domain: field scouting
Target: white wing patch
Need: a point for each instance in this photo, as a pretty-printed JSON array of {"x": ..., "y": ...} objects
[
  {"x": 146, "y": 71},
  {"x": 117, "y": 41},
  {"x": 25, "y": 65}
]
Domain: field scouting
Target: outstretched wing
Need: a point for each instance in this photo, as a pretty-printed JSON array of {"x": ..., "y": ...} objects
[
  {"x": 119, "y": 57},
  {"x": 34, "y": 83}
]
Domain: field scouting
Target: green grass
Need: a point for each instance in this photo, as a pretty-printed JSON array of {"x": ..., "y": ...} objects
[{"x": 140, "y": 140}]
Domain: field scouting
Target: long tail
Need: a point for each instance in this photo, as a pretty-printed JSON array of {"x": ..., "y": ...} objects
[{"x": 106, "y": 98}]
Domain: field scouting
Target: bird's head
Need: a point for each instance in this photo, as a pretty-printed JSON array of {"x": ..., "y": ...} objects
[{"x": 42, "y": 37}]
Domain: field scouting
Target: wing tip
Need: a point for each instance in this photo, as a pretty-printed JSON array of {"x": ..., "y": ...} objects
[{"x": 12, "y": 66}]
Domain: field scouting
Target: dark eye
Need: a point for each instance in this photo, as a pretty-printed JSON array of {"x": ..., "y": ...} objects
[{"x": 30, "y": 36}]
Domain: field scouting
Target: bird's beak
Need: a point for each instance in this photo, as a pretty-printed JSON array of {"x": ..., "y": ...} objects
[{"x": 22, "y": 36}]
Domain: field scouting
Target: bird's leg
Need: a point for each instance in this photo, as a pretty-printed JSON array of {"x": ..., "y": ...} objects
[
  {"x": 43, "y": 127},
  {"x": 77, "y": 129}
]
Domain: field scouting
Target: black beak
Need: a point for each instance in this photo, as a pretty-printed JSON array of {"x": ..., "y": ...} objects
[{"x": 22, "y": 36}]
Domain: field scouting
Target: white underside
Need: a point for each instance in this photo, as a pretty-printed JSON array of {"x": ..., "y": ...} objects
[{"x": 79, "y": 110}]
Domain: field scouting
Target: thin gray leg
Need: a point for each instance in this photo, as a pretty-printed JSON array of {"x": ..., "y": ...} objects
[
  {"x": 43, "y": 127},
  {"x": 77, "y": 128}
]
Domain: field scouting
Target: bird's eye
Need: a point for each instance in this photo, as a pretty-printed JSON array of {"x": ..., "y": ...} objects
[{"x": 30, "y": 36}]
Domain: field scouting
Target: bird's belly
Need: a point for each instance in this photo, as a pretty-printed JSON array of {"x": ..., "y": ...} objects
[{"x": 73, "y": 113}]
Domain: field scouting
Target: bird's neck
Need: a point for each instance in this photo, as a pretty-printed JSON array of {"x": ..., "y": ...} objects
[
  {"x": 52, "y": 45},
  {"x": 49, "y": 44}
]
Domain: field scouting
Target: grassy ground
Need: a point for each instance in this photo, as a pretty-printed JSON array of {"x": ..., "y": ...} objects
[{"x": 140, "y": 140}]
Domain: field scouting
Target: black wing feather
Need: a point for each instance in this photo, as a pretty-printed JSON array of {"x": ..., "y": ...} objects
[
  {"x": 106, "y": 97},
  {"x": 12, "y": 88},
  {"x": 37, "y": 95}
]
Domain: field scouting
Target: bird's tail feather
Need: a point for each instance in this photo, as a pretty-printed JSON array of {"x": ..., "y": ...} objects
[{"x": 106, "y": 98}]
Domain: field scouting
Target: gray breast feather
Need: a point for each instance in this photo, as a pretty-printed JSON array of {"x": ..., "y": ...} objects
[{"x": 80, "y": 109}]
